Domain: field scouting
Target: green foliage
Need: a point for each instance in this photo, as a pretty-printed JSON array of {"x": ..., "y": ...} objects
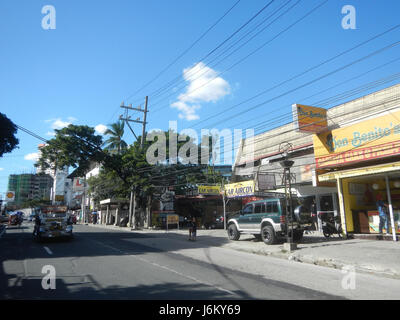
[
  {"x": 115, "y": 142},
  {"x": 107, "y": 185},
  {"x": 8, "y": 130},
  {"x": 73, "y": 146}
]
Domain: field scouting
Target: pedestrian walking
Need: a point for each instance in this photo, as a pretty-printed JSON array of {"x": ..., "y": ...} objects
[
  {"x": 194, "y": 229},
  {"x": 383, "y": 217},
  {"x": 190, "y": 225},
  {"x": 314, "y": 215}
]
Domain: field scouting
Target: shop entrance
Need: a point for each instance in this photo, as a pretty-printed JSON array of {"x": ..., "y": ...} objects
[{"x": 360, "y": 200}]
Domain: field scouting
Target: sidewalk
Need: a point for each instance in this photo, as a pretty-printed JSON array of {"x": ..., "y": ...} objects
[{"x": 367, "y": 256}]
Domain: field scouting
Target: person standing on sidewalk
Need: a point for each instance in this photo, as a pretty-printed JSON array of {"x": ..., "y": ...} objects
[{"x": 383, "y": 218}]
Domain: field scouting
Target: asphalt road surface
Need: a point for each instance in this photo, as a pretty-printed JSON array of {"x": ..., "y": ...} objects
[{"x": 110, "y": 264}]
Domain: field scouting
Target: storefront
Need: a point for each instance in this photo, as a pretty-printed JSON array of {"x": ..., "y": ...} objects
[{"x": 363, "y": 159}]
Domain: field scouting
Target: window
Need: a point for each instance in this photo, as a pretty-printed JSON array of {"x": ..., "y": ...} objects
[
  {"x": 258, "y": 208},
  {"x": 248, "y": 209},
  {"x": 272, "y": 207}
]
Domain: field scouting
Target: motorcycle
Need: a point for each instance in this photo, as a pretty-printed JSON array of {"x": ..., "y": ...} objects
[
  {"x": 15, "y": 219},
  {"x": 330, "y": 224}
]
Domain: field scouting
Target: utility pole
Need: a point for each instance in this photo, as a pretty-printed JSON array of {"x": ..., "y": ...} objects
[{"x": 127, "y": 119}]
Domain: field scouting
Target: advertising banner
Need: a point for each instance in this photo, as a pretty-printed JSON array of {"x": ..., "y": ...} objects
[
  {"x": 209, "y": 190},
  {"x": 79, "y": 184},
  {"x": 309, "y": 119},
  {"x": 368, "y": 140},
  {"x": 240, "y": 189}
]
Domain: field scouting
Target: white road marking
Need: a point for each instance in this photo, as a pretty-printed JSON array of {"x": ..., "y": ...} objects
[
  {"x": 48, "y": 250},
  {"x": 164, "y": 267}
]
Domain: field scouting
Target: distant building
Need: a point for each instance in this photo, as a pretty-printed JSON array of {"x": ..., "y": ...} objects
[
  {"x": 61, "y": 191},
  {"x": 30, "y": 187}
]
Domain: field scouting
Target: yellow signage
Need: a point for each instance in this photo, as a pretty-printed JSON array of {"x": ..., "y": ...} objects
[
  {"x": 368, "y": 140},
  {"x": 59, "y": 198},
  {"x": 172, "y": 219},
  {"x": 240, "y": 189},
  {"x": 10, "y": 195},
  {"x": 209, "y": 190},
  {"x": 309, "y": 119}
]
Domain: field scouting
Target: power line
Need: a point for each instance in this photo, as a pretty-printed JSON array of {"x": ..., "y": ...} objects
[
  {"x": 299, "y": 74},
  {"x": 155, "y": 93},
  {"x": 311, "y": 82},
  {"x": 191, "y": 73},
  {"x": 253, "y": 52},
  {"x": 391, "y": 101},
  {"x": 185, "y": 51}
]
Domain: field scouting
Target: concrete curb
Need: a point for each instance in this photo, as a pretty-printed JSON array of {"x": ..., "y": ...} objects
[{"x": 296, "y": 257}]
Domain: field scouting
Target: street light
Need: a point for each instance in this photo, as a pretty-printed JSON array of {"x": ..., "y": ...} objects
[{"x": 287, "y": 164}]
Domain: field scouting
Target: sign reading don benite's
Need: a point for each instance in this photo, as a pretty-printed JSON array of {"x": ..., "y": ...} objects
[
  {"x": 209, "y": 190},
  {"x": 240, "y": 189},
  {"x": 364, "y": 141},
  {"x": 309, "y": 119}
]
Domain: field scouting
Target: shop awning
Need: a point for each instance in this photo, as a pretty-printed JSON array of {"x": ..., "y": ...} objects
[{"x": 377, "y": 169}]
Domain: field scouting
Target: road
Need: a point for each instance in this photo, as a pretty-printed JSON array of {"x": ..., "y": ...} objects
[{"x": 101, "y": 263}]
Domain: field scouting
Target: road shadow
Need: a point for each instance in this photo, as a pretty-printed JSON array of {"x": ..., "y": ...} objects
[{"x": 88, "y": 289}]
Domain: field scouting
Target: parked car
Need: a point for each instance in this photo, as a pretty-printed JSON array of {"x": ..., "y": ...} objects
[
  {"x": 266, "y": 220},
  {"x": 217, "y": 223}
]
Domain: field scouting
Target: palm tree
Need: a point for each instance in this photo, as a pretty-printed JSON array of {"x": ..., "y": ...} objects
[{"x": 115, "y": 142}]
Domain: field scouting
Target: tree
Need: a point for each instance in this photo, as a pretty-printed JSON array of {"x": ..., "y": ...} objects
[
  {"x": 8, "y": 130},
  {"x": 116, "y": 132},
  {"x": 73, "y": 146}
]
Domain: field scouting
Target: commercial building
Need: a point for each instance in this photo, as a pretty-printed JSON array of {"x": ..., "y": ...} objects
[
  {"x": 30, "y": 187},
  {"x": 342, "y": 164}
]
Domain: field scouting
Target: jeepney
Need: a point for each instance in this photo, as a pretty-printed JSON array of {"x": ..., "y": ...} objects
[{"x": 52, "y": 222}]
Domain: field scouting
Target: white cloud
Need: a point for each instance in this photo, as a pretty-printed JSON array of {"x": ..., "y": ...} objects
[
  {"x": 58, "y": 123},
  {"x": 204, "y": 86},
  {"x": 100, "y": 128},
  {"x": 1, "y": 169},
  {"x": 32, "y": 156}
]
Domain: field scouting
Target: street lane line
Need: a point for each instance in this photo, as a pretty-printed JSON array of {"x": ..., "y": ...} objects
[
  {"x": 165, "y": 267},
  {"x": 48, "y": 250}
]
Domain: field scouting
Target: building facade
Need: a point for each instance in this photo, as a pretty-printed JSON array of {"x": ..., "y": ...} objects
[
  {"x": 319, "y": 157},
  {"x": 30, "y": 187}
]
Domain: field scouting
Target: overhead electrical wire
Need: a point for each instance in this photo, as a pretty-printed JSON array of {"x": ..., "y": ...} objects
[
  {"x": 297, "y": 75},
  {"x": 251, "y": 53},
  {"x": 185, "y": 51},
  {"x": 207, "y": 64},
  {"x": 180, "y": 55},
  {"x": 178, "y": 78},
  {"x": 309, "y": 82}
]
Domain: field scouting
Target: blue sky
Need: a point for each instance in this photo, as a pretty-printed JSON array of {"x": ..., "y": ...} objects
[{"x": 102, "y": 52}]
